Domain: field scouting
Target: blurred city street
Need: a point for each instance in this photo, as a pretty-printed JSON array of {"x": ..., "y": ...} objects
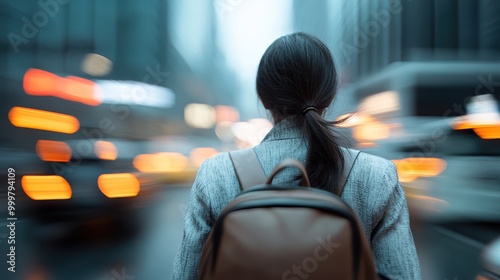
[
  {"x": 109, "y": 108},
  {"x": 104, "y": 250}
]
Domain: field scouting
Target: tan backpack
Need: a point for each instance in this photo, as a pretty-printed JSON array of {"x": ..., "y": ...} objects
[{"x": 285, "y": 232}]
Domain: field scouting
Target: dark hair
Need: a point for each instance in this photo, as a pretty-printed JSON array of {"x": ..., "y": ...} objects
[{"x": 296, "y": 72}]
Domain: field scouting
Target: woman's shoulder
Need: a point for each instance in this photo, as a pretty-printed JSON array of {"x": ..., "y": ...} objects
[
  {"x": 214, "y": 163},
  {"x": 370, "y": 188},
  {"x": 218, "y": 169},
  {"x": 372, "y": 177},
  {"x": 374, "y": 173},
  {"x": 217, "y": 180},
  {"x": 373, "y": 166}
]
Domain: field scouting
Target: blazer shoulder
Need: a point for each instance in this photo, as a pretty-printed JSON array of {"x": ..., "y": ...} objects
[
  {"x": 374, "y": 171},
  {"x": 215, "y": 168},
  {"x": 371, "y": 159},
  {"x": 216, "y": 176}
]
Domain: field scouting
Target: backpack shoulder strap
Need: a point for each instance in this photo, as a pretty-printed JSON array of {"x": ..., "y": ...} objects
[
  {"x": 349, "y": 159},
  {"x": 248, "y": 168},
  {"x": 250, "y": 173}
]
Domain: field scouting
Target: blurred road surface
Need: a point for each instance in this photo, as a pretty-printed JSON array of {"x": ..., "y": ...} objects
[
  {"x": 101, "y": 249},
  {"x": 105, "y": 250}
]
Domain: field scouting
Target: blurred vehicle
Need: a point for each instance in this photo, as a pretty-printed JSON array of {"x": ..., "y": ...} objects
[
  {"x": 491, "y": 262},
  {"x": 440, "y": 124},
  {"x": 83, "y": 147}
]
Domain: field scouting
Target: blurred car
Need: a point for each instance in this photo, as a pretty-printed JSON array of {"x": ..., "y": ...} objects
[
  {"x": 490, "y": 262},
  {"x": 75, "y": 145},
  {"x": 447, "y": 172},
  {"x": 441, "y": 127}
]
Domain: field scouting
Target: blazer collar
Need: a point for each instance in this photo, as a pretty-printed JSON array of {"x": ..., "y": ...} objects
[{"x": 285, "y": 129}]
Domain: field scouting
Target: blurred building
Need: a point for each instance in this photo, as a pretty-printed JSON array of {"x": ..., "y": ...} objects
[
  {"x": 451, "y": 43},
  {"x": 378, "y": 33},
  {"x": 111, "y": 40},
  {"x": 323, "y": 19},
  {"x": 154, "y": 42},
  {"x": 57, "y": 35},
  {"x": 198, "y": 65}
]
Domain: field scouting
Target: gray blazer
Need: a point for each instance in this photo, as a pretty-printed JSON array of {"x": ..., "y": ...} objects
[{"x": 372, "y": 190}]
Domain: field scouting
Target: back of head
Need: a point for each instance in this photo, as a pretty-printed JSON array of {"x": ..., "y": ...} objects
[{"x": 297, "y": 77}]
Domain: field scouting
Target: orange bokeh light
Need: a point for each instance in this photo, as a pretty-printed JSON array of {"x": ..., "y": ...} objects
[
  {"x": 410, "y": 169},
  {"x": 119, "y": 185},
  {"x": 43, "y": 120},
  {"x": 105, "y": 150},
  {"x": 488, "y": 132},
  {"x": 370, "y": 129},
  {"x": 43, "y": 83},
  {"x": 56, "y": 151},
  {"x": 46, "y": 187},
  {"x": 226, "y": 114},
  {"x": 160, "y": 162},
  {"x": 486, "y": 126},
  {"x": 199, "y": 155}
]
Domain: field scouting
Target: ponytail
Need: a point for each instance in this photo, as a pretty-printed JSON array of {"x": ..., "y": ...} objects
[{"x": 324, "y": 161}]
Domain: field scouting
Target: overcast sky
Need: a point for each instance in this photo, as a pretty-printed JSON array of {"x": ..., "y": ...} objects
[{"x": 246, "y": 29}]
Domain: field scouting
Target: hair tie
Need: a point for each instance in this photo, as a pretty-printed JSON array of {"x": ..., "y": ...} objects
[{"x": 307, "y": 109}]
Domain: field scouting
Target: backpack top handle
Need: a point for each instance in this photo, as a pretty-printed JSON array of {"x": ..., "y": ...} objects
[
  {"x": 290, "y": 163},
  {"x": 250, "y": 173}
]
